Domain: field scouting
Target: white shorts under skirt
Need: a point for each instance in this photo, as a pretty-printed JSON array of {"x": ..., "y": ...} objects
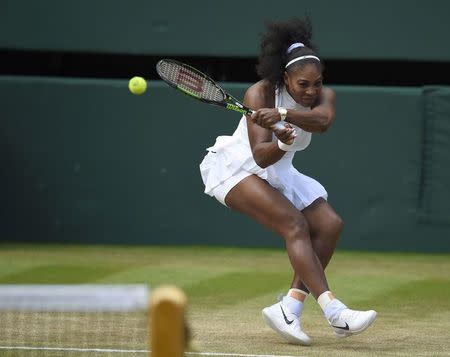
[
  {"x": 221, "y": 191},
  {"x": 302, "y": 195}
]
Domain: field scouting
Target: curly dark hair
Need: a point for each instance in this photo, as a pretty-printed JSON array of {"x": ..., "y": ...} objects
[{"x": 275, "y": 42}]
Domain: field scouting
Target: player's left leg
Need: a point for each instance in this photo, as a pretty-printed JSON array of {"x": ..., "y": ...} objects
[{"x": 326, "y": 227}]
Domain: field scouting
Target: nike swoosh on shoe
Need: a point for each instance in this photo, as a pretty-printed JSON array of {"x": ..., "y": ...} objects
[
  {"x": 285, "y": 318},
  {"x": 342, "y": 327}
]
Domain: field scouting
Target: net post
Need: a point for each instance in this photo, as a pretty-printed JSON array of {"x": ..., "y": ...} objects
[{"x": 167, "y": 322}]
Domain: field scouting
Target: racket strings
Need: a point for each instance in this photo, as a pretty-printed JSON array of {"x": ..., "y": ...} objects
[{"x": 190, "y": 81}]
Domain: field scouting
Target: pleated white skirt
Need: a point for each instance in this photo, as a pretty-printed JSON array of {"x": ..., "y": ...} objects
[{"x": 230, "y": 160}]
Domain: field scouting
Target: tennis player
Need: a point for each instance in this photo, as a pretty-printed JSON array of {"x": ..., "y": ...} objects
[{"x": 252, "y": 172}]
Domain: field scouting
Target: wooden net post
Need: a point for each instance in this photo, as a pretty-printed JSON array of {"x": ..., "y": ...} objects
[{"x": 167, "y": 322}]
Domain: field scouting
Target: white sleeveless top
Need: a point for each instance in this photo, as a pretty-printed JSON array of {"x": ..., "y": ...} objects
[
  {"x": 284, "y": 99},
  {"x": 230, "y": 154}
]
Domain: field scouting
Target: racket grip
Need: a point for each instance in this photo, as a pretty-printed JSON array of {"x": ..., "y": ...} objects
[{"x": 278, "y": 125}]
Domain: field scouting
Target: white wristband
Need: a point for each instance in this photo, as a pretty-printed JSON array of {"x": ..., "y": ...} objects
[{"x": 285, "y": 147}]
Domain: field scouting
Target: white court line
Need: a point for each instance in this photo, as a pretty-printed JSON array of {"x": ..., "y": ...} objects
[
  {"x": 71, "y": 349},
  {"x": 232, "y": 354},
  {"x": 107, "y": 350}
]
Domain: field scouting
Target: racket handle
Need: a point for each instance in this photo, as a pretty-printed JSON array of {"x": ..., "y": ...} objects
[{"x": 278, "y": 125}]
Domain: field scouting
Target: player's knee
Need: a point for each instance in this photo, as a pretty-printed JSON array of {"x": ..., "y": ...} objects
[
  {"x": 296, "y": 227},
  {"x": 334, "y": 226}
]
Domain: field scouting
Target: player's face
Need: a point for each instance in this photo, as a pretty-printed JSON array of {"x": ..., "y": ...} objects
[{"x": 304, "y": 84}]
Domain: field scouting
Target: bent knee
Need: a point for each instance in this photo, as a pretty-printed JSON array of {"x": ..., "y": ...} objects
[
  {"x": 295, "y": 227},
  {"x": 334, "y": 225}
]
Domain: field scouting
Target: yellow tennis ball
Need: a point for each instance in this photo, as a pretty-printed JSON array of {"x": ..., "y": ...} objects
[{"x": 137, "y": 85}]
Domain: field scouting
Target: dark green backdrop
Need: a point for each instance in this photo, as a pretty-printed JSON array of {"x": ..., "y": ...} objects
[
  {"x": 86, "y": 161},
  {"x": 83, "y": 160},
  {"x": 355, "y": 29}
]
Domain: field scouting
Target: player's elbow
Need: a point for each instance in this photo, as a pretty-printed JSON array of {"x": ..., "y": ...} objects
[
  {"x": 324, "y": 124},
  {"x": 264, "y": 155},
  {"x": 319, "y": 128},
  {"x": 323, "y": 128},
  {"x": 261, "y": 162}
]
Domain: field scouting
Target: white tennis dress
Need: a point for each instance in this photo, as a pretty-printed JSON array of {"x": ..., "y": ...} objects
[{"x": 230, "y": 160}]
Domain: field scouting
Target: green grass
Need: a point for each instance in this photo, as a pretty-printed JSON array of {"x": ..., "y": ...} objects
[{"x": 228, "y": 287}]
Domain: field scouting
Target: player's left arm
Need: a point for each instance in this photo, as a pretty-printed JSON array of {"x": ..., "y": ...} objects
[{"x": 320, "y": 117}]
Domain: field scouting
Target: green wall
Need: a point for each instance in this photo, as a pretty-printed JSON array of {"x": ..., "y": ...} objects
[
  {"x": 85, "y": 161},
  {"x": 355, "y": 29}
]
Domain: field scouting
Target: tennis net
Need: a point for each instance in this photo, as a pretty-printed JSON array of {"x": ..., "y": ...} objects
[{"x": 75, "y": 320}]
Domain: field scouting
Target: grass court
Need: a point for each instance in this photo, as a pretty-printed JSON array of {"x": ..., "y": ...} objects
[{"x": 228, "y": 287}]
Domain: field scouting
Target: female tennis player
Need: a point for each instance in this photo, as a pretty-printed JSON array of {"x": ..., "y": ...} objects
[{"x": 252, "y": 172}]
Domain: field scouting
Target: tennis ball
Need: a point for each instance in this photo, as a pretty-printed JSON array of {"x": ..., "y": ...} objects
[{"x": 137, "y": 85}]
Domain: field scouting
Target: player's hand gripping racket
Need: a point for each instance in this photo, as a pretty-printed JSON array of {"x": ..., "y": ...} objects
[{"x": 198, "y": 85}]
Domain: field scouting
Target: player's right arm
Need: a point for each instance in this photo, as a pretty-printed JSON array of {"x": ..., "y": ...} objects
[{"x": 265, "y": 151}]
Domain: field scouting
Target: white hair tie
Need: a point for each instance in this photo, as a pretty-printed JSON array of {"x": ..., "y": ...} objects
[
  {"x": 302, "y": 58},
  {"x": 294, "y": 46}
]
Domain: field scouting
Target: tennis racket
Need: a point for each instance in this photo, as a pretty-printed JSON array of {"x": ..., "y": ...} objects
[{"x": 198, "y": 85}]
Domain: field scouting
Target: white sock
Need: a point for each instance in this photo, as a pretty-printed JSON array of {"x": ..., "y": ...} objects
[
  {"x": 324, "y": 299},
  {"x": 294, "y": 291},
  {"x": 294, "y": 306},
  {"x": 330, "y": 305}
]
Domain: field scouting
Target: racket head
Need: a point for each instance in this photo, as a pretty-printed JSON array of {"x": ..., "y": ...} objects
[{"x": 190, "y": 81}]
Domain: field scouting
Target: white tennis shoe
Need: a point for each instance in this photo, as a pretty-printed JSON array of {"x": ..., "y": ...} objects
[
  {"x": 287, "y": 324},
  {"x": 349, "y": 322}
]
